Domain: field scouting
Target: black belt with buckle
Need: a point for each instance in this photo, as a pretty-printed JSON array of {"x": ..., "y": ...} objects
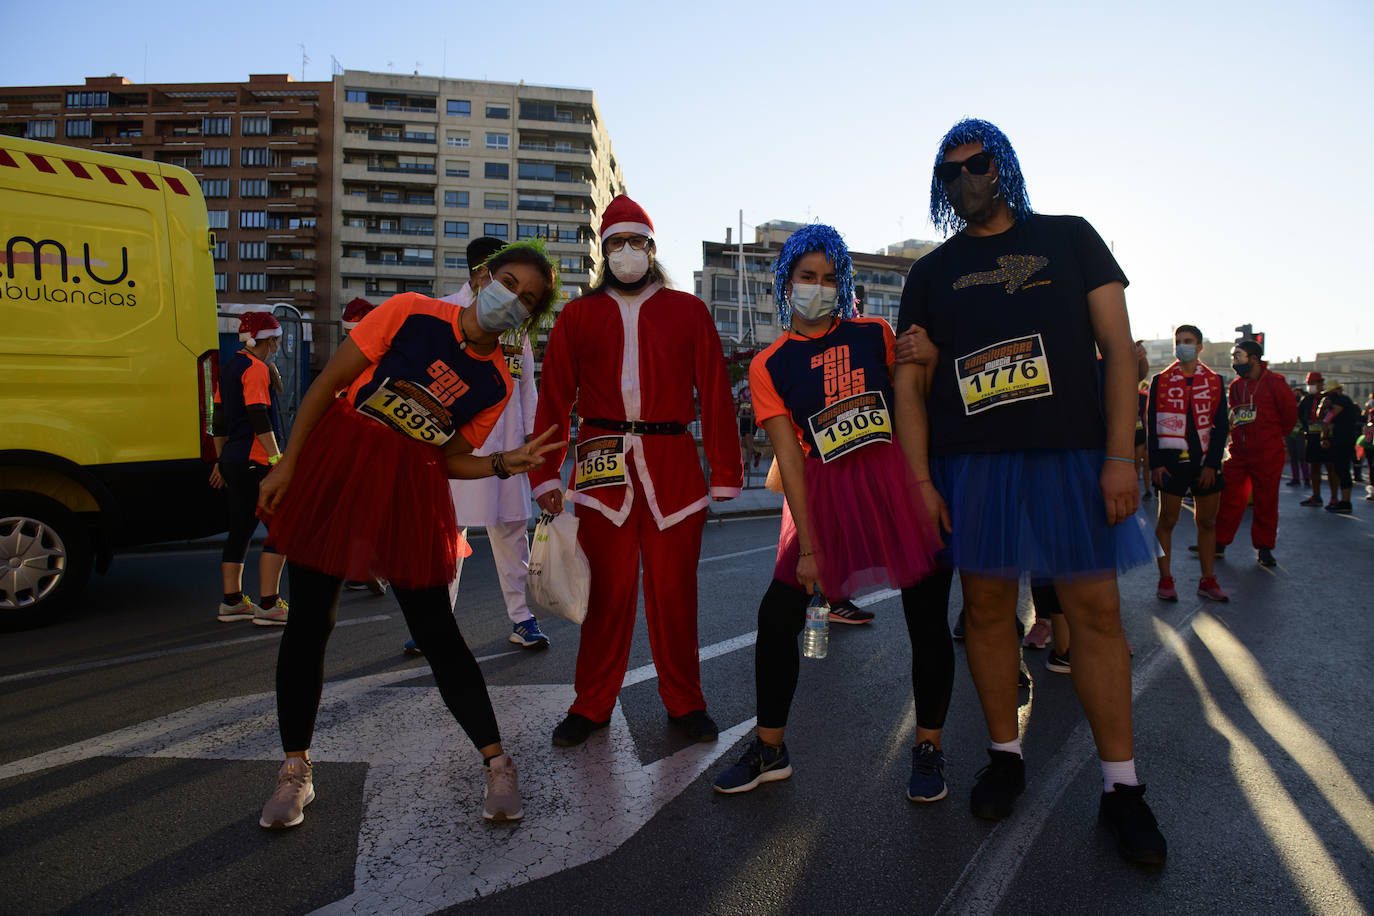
[{"x": 638, "y": 427}]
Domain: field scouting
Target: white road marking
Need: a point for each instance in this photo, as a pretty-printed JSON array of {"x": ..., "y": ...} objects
[
  {"x": 273, "y": 633},
  {"x": 737, "y": 553},
  {"x": 649, "y": 672},
  {"x": 990, "y": 873}
]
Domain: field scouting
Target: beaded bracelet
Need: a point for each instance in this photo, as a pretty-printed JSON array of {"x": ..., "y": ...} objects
[{"x": 1115, "y": 458}]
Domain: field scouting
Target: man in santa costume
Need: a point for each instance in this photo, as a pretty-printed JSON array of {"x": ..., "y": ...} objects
[{"x": 632, "y": 355}]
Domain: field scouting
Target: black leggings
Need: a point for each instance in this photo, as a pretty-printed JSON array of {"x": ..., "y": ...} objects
[
  {"x": 782, "y": 614},
  {"x": 300, "y": 661},
  {"x": 241, "y": 487},
  {"x": 1342, "y": 455}
]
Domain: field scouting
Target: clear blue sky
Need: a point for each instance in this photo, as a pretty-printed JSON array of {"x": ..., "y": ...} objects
[{"x": 1216, "y": 146}]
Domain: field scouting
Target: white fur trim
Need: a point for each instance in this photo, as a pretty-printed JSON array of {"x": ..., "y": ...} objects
[
  {"x": 636, "y": 228},
  {"x": 349, "y": 325},
  {"x": 724, "y": 492}
]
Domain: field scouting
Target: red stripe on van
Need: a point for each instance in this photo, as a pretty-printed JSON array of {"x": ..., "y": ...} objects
[
  {"x": 176, "y": 185},
  {"x": 7, "y": 159},
  {"x": 77, "y": 169},
  {"x": 112, "y": 175},
  {"x": 144, "y": 180},
  {"x": 41, "y": 164}
]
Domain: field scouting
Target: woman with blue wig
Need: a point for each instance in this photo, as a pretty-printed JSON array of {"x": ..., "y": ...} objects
[{"x": 854, "y": 520}]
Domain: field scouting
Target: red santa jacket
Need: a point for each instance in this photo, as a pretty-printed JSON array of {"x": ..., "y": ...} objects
[
  {"x": 1262, "y": 413},
  {"x": 651, "y": 357}
]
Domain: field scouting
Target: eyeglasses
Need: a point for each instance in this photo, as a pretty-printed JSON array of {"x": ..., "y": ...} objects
[
  {"x": 638, "y": 243},
  {"x": 977, "y": 164}
]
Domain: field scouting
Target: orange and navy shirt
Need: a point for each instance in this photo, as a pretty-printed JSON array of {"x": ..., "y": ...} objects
[
  {"x": 799, "y": 376},
  {"x": 244, "y": 381},
  {"x": 416, "y": 338}
]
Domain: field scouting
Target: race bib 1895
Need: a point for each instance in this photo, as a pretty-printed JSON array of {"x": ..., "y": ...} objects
[
  {"x": 409, "y": 408},
  {"x": 1004, "y": 373},
  {"x": 850, "y": 424},
  {"x": 601, "y": 462}
]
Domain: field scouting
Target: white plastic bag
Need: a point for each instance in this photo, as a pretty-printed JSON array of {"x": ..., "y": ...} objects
[{"x": 560, "y": 578}]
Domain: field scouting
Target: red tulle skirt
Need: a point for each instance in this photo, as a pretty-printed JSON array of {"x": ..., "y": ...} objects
[
  {"x": 368, "y": 502},
  {"x": 869, "y": 527}
]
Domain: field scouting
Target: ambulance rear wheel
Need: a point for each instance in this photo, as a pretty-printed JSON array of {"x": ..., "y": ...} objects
[{"x": 45, "y": 559}]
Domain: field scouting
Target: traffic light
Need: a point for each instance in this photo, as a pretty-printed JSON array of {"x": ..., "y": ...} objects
[{"x": 1248, "y": 332}]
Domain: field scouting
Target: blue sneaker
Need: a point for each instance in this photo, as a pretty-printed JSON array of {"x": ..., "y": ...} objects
[
  {"x": 527, "y": 633},
  {"x": 927, "y": 774},
  {"x": 760, "y": 763},
  {"x": 410, "y": 648}
]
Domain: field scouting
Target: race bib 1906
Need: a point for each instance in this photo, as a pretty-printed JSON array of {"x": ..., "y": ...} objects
[
  {"x": 1004, "y": 373},
  {"x": 601, "y": 462},
  {"x": 850, "y": 424},
  {"x": 410, "y": 409}
]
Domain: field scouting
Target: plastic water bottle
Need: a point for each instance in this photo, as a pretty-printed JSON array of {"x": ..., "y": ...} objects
[{"x": 816, "y": 636}]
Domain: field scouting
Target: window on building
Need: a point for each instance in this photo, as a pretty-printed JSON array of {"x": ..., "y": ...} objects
[
  {"x": 252, "y": 187},
  {"x": 214, "y": 187},
  {"x": 497, "y": 170},
  {"x": 79, "y": 128},
  {"x": 536, "y": 171},
  {"x": 457, "y": 168},
  {"x": 537, "y": 111},
  {"x": 498, "y": 141},
  {"x": 221, "y": 251},
  {"x": 41, "y": 130},
  {"x": 417, "y": 225},
  {"x": 455, "y": 198},
  {"x": 252, "y": 219},
  {"x": 496, "y": 230},
  {"x": 460, "y": 108},
  {"x": 498, "y": 111},
  {"x": 569, "y": 263},
  {"x": 253, "y": 155},
  {"x": 455, "y": 261},
  {"x": 420, "y": 197},
  {"x": 355, "y": 95},
  {"x": 252, "y": 283},
  {"x": 216, "y": 127},
  {"x": 455, "y": 230},
  {"x": 221, "y": 281},
  {"x": 723, "y": 288},
  {"x": 255, "y": 126},
  {"x": 213, "y": 157},
  {"x": 219, "y": 219},
  {"x": 458, "y": 139},
  {"x": 88, "y": 100},
  {"x": 252, "y": 251},
  {"x": 531, "y": 201},
  {"x": 496, "y": 201}
]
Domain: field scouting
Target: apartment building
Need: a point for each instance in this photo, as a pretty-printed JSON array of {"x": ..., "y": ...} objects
[
  {"x": 260, "y": 149},
  {"x": 880, "y": 275},
  {"x": 425, "y": 164}
]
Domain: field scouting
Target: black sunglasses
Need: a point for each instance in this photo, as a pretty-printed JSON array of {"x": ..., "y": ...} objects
[{"x": 977, "y": 164}]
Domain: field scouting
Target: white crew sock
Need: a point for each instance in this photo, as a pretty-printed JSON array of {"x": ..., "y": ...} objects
[
  {"x": 1011, "y": 747},
  {"x": 1118, "y": 771}
]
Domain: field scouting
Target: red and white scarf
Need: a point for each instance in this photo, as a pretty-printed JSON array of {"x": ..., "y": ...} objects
[{"x": 1171, "y": 423}]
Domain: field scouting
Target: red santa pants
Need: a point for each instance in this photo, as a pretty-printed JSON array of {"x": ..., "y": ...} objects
[
  {"x": 1248, "y": 472},
  {"x": 670, "y": 607}
]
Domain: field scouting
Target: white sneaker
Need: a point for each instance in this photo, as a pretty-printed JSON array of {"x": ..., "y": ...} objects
[
  {"x": 501, "y": 798},
  {"x": 295, "y": 790},
  {"x": 274, "y": 616},
  {"x": 244, "y": 610}
]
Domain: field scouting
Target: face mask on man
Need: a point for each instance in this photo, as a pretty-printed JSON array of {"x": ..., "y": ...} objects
[
  {"x": 1242, "y": 368},
  {"x": 1185, "y": 353},
  {"x": 1313, "y": 389},
  {"x": 628, "y": 264},
  {"x": 973, "y": 197},
  {"x": 498, "y": 308},
  {"x": 812, "y": 301}
]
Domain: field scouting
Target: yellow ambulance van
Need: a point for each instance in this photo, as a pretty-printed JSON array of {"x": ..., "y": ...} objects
[{"x": 107, "y": 365}]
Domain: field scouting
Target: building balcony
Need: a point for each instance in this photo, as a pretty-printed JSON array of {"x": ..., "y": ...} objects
[
  {"x": 286, "y": 202},
  {"x": 304, "y": 234},
  {"x": 574, "y": 128},
  {"x": 293, "y": 265},
  {"x": 356, "y": 171},
  {"x": 302, "y": 173},
  {"x": 376, "y": 206},
  {"x": 376, "y": 141},
  {"x": 293, "y": 141},
  {"x": 299, "y": 298},
  {"x": 553, "y": 186},
  {"x": 374, "y": 236},
  {"x": 562, "y": 157},
  {"x": 367, "y": 268},
  {"x": 363, "y": 111}
]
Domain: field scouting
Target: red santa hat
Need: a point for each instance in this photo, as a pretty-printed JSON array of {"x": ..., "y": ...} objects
[
  {"x": 355, "y": 311},
  {"x": 624, "y": 215},
  {"x": 255, "y": 326}
]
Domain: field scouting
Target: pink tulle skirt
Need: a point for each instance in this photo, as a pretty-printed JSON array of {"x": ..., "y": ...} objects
[
  {"x": 869, "y": 527},
  {"x": 368, "y": 502}
]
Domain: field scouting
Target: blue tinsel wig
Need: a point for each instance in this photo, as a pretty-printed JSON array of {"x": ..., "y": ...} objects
[
  {"x": 815, "y": 237},
  {"x": 1010, "y": 182}
]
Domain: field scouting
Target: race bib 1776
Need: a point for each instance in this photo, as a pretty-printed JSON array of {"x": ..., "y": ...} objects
[
  {"x": 1004, "y": 373},
  {"x": 850, "y": 424},
  {"x": 600, "y": 462}
]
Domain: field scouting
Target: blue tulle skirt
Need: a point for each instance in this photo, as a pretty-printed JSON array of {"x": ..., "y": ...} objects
[{"x": 1037, "y": 512}]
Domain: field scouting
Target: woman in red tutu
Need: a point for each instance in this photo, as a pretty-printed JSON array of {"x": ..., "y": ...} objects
[
  {"x": 854, "y": 521},
  {"x": 425, "y": 382}
]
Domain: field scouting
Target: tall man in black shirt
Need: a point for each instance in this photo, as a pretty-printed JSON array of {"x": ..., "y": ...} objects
[{"x": 1031, "y": 459}]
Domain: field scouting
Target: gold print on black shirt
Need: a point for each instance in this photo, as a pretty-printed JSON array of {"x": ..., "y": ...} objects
[{"x": 1012, "y": 269}]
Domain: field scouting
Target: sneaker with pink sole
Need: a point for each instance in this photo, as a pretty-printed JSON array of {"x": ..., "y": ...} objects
[
  {"x": 1039, "y": 635},
  {"x": 1207, "y": 587},
  {"x": 1165, "y": 591}
]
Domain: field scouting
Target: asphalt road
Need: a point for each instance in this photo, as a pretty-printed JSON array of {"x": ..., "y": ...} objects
[{"x": 138, "y": 742}]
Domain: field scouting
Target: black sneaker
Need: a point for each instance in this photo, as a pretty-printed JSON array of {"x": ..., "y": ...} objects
[
  {"x": 760, "y": 763},
  {"x": 998, "y": 784},
  {"x": 1057, "y": 663},
  {"x": 575, "y": 729},
  {"x": 697, "y": 724},
  {"x": 958, "y": 631},
  {"x": 1343, "y": 507},
  {"x": 1265, "y": 556},
  {"x": 1221, "y": 551},
  {"x": 847, "y": 612},
  {"x": 1133, "y": 824}
]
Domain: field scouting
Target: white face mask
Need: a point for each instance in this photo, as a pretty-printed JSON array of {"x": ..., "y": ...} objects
[
  {"x": 1313, "y": 389},
  {"x": 812, "y": 301},
  {"x": 499, "y": 309},
  {"x": 629, "y": 265}
]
